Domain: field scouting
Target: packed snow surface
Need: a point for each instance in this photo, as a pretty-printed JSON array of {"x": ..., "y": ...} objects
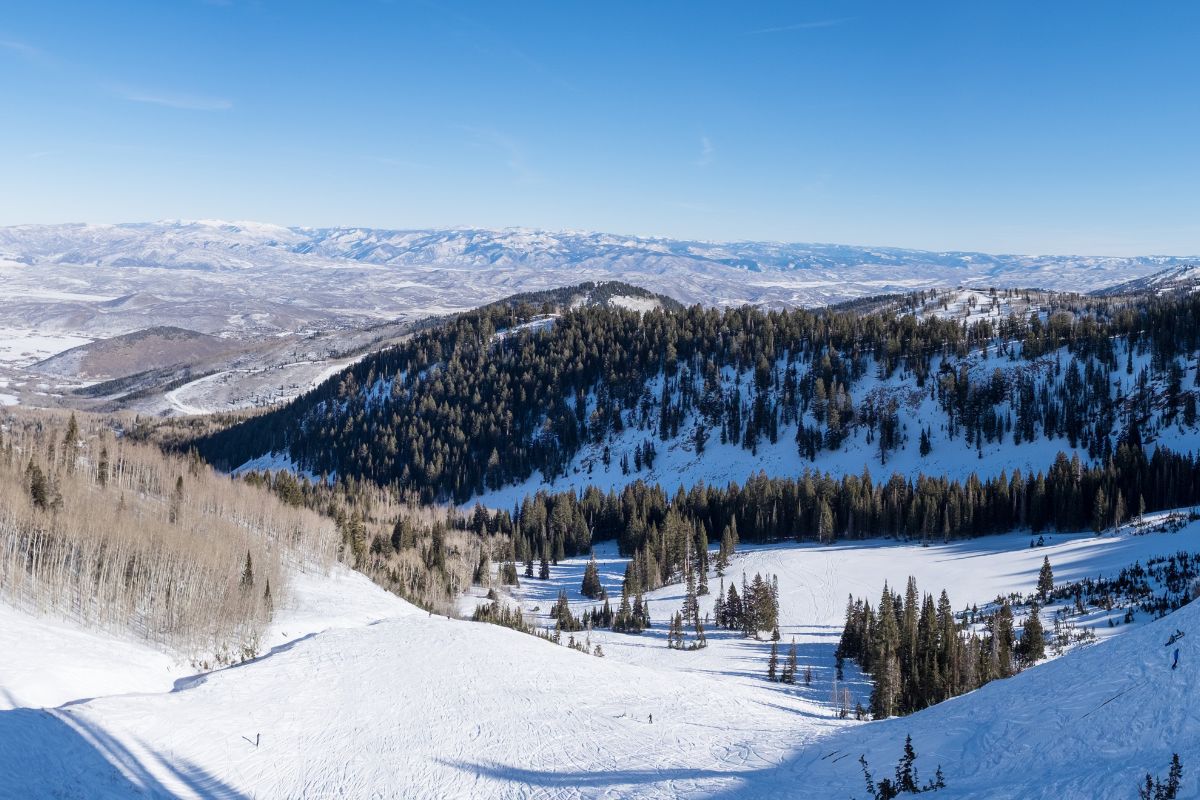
[{"x": 360, "y": 694}]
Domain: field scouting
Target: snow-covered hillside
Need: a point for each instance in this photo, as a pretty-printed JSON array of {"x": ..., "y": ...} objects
[
  {"x": 1089, "y": 725},
  {"x": 360, "y": 694},
  {"x": 677, "y": 462},
  {"x": 1184, "y": 278}
]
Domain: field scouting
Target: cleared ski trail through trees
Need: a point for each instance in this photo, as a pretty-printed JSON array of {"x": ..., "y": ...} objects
[{"x": 361, "y": 695}]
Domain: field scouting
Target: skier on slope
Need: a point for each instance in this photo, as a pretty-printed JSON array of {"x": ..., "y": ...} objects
[{"x": 1176, "y": 663}]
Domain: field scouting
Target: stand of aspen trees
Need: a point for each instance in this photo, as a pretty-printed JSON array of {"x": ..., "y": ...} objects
[{"x": 122, "y": 537}]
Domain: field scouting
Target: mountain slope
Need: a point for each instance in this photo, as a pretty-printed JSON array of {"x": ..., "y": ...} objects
[
  {"x": 1089, "y": 725},
  {"x": 364, "y": 695},
  {"x": 411, "y": 706},
  {"x": 152, "y": 348},
  {"x": 503, "y": 402},
  {"x": 1180, "y": 279}
]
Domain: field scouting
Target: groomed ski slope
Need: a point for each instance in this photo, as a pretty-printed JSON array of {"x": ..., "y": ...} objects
[
  {"x": 407, "y": 706},
  {"x": 363, "y": 695}
]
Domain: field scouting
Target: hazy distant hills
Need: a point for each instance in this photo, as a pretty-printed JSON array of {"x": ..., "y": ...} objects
[{"x": 313, "y": 276}]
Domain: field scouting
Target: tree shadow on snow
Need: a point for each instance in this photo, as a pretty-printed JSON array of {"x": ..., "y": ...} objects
[
  {"x": 45, "y": 752},
  {"x": 591, "y": 779}
]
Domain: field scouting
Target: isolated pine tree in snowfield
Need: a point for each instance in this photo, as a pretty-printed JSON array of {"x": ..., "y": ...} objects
[
  {"x": 1045, "y": 584},
  {"x": 773, "y": 662},
  {"x": 592, "y": 587}
]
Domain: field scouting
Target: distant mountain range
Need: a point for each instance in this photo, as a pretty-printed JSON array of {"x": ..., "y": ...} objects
[{"x": 290, "y": 276}]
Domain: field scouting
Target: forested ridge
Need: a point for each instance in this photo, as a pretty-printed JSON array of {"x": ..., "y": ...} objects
[{"x": 480, "y": 401}]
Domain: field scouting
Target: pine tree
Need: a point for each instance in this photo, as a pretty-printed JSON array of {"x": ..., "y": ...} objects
[
  {"x": 791, "y": 665},
  {"x": 1033, "y": 638},
  {"x": 734, "y": 612},
  {"x": 247, "y": 572},
  {"x": 1100, "y": 511},
  {"x": 691, "y": 607},
  {"x": 102, "y": 468},
  {"x": 773, "y": 662},
  {"x": 1154, "y": 789},
  {"x": 1045, "y": 584},
  {"x": 825, "y": 523},
  {"x": 1003, "y": 638},
  {"x": 39, "y": 487},
  {"x": 906, "y": 774},
  {"x": 70, "y": 440},
  {"x": 719, "y": 605},
  {"x": 176, "y": 503},
  {"x": 885, "y": 661},
  {"x": 592, "y": 588},
  {"x": 1174, "y": 778}
]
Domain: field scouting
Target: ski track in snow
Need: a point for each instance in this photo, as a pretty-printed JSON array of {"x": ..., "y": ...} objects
[{"x": 361, "y": 695}]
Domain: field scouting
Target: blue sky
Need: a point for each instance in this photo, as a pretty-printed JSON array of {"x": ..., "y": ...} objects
[{"x": 996, "y": 126}]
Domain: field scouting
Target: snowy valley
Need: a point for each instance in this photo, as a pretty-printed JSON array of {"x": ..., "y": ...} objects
[{"x": 1003, "y": 462}]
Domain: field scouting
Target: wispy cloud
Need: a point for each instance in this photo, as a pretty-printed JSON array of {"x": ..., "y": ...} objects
[
  {"x": 185, "y": 102},
  {"x": 803, "y": 26},
  {"x": 707, "y": 151},
  {"x": 402, "y": 163},
  {"x": 74, "y": 73},
  {"x": 489, "y": 42},
  {"x": 22, "y": 49},
  {"x": 513, "y": 152}
]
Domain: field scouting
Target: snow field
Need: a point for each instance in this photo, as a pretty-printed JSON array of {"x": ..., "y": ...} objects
[{"x": 359, "y": 694}]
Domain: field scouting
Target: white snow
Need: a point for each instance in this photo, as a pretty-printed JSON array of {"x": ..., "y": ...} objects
[
  {"x": 49, "y": 662},
  {"x": 364, "y": 695},
  {"x": 22, "y": 346},
  {"x": 630, "y": 303},
  {"x": 1089, "y": 725}
]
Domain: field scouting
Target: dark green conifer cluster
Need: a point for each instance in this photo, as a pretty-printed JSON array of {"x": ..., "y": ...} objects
[{"x": 919, "y": 653}]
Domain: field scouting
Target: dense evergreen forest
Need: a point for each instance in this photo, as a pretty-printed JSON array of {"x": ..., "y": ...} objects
[
  {"x": 489, "y": 397},
  {"x": 658, "y": 530}
]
